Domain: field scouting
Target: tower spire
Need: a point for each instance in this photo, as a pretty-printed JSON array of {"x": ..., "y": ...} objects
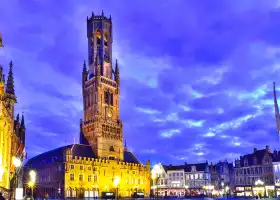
[
  {"x": 117, "y": 72},
  {"x": 125, "y": 146},
  {"x": 84, "y": 67},
  {"x": 1, "y": 43},
  {"x": 22, "y": 124},
  {"x": 276, "y": 109},
  {"x": 10, "y": 82}
]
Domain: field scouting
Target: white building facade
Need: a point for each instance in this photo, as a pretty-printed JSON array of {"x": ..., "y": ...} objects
[{"x": 180, "y": 180}]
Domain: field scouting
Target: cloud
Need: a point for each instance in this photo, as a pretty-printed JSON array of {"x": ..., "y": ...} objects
[{"x": 196, "y": 76}]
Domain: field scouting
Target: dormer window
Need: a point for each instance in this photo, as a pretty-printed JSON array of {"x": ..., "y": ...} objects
[
  {"x": 193, "y": 168},
  {"x": 246, "y": 163},
  {"x": 255, "y": 161}
]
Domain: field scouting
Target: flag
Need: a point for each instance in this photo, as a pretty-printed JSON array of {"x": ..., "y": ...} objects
[{"x": 276, "y": 109}]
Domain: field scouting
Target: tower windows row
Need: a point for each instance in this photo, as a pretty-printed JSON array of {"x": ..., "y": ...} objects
[
  {"x": 108, "y": 98},
  {"x": 98, "y": 38}
]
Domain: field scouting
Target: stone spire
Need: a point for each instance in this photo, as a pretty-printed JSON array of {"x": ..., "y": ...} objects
[
  {"x": 22, "y": 124},
  {"x": 1, "y": 43},
  {"x": 117, "y": 72},
  {"x": 10, "y": 82},
  {"x": 276, "y": 109},
  {"x": 125, "y": 146}
]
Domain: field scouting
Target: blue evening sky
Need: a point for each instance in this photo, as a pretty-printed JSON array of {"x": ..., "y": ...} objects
[{"x": 196, "y": 75}]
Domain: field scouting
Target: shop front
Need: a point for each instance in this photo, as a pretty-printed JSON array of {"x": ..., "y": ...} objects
[
  {"x": 259, "y": 191},
  {"x": 243, "y": 191}
]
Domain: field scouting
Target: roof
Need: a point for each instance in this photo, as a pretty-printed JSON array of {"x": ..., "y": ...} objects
[
  {"x": 48, "y": 157},
  {"x": 80, "y": 150},
  {"x": 130, "y": 157},
  {"x": 257, "y": 154},
  {"x": 186, "y": 167}
]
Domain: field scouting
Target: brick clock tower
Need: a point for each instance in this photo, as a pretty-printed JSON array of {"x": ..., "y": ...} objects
[{"x": 102, "y": 127}]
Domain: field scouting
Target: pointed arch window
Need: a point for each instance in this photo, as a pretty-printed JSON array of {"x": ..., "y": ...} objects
[
  {"x": 111, "y": 99},
  {"x": 106, "y": 40},
  {"x": 98, "y": 37}
]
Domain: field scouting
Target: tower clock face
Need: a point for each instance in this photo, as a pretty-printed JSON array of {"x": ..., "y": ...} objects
[{"x": 109, "y": 113}]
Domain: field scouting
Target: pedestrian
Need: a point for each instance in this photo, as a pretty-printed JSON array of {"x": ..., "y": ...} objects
[{"x": 1, "y": 196}]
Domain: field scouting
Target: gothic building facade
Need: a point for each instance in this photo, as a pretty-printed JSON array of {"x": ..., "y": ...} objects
[
  {"x": 101, "y": 164},
  {"x": 12, "y": 132}
]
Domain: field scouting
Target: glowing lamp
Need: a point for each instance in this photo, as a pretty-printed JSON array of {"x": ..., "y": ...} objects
[
  {"x": 116, "y": 181},
  {"x": 259, "y": 182},
  {"x": 32, "y": 175},
  {"x": 16, "y": 162}
]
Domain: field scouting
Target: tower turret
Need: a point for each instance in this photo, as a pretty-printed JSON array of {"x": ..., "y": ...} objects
[
  {"x": 22, "y": 130},
  {"x": 2, "y": 81},
  {"x": 1, "y": 42},
  {"x": 10, "y": 91},
  {"x": 10, "y": 82},
  {"x": 276, "y": 108}
]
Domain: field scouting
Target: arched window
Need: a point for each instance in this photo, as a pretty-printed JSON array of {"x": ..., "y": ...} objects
[
  {"x": 98, "y": 37},
  {"x": 112, "y": 102},
  {"x": 106, "y": 40}
]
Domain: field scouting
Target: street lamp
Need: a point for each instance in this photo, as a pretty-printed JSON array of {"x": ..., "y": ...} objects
[
  {"x": 32, "y": 180},
  {"x": 16, "y": 162},
  {"x": 116, "y": 183},
  {"x": 156, "y": 171}
]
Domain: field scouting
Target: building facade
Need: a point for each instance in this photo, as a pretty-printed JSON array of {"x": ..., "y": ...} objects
[
  {"x": 222, "y": 175},
  {"x": 12, "y": 133},
  {"x": 91, "y": 168},
  {"x": 254, "y": 174},
  {"x": 181, "y": 180}
]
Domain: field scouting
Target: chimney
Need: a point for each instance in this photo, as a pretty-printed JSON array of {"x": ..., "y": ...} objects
[
  {"x": 255, "y": 150},
  {"x": 267, "y": 148}
]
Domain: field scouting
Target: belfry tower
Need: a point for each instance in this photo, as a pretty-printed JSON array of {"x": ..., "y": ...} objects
[{"x": 102, "y": 127}]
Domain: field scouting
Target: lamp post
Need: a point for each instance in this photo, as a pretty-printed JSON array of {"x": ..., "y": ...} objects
[
  {"x": 16, "y": 162},
  {"x": 116, "y": 183},
  {"x": 156, "y": 171},
  {"x": 32, "y": 181}
]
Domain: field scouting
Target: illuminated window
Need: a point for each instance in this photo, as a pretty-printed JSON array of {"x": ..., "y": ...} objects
[{"x": 71, "y": 177}]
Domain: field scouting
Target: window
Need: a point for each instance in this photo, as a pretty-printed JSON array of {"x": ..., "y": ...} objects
[
  {"x": 98, "y": 37},
  {"x": 81, "y": 177},
  {"x": 81, "y": 167},
  {"x": 89, "y": 178},
  {"x": 95, "y": 179},
  {"x": 89, "y": 168},
  {"x": 71, "y": 177},
  {"x": 105, "y": 39},
  {"x": 71, "y": 166}
]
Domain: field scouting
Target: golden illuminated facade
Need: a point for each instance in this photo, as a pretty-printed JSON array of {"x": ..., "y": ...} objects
[
  {"x": 12, "y": 132},
  {"x": 101, "y": 165}
]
